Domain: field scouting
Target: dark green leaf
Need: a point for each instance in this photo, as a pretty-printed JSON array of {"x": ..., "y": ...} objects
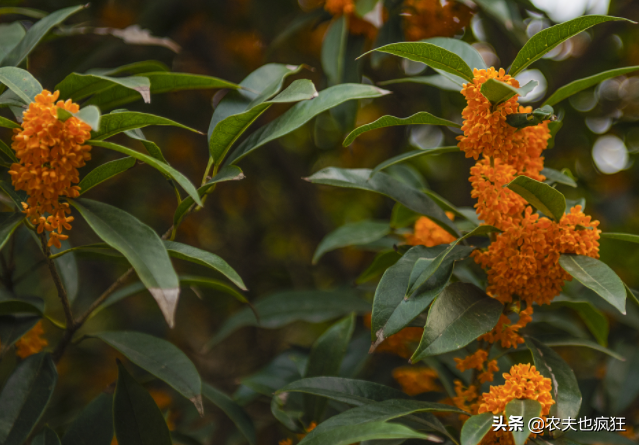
[
  {"x": 542, "y": 196},
  {"x": 35, "y": 34},
  {"x": 190, "y": 280},
  {"x": 547, "y": 39},
  {"x": 146, "y": 66},
  {"x": 80, "y": 86},
  {"x": 421, "y": 118},
  {"x": 385, "y": 185},
  {"x": 235, "y": 412},
  {"x": 21, "y": 305},
  {"x": 414, "y": 154},
  {"x": 115, "y": 123},
  {"x": 555, "y": 176},
  {"x": 596, "y": 321},
  {"x": 8, "y": 151},
  {"x": 303, "y": 112},
  {"x": 587, "y": 82},
  {"x": 382, "y": 261},
  {"x": 554, "y": 128},
  {"x": 6, "y": 123},
  {"x": 565, "y": 390},
  {"x": 160, "y": 358},
  {"x": 204, "y": 258},
  {"x": 21, "y": 83},
  {"x": 467, "y": 52},
  {"x": 25, "y": 396},
  {"x": 358, "y": 233},
  {"x": 12, "y": 328},
  {"x": 345, "y": 435},
  {"x": 526, "y": 409},
  {"x": 597, "y": 276},
  {"x": 577, "y": 342},
  {"x": 105, "y": 171},
  {"x": 94, "y": 425},
  {"x": 350, "y": 391},
  {"x": 325, "y": 359},
  {"x": 476, "y": 428},
  {"x": 8, "y": 225},
  {"x": 597, "y": 437},
  {"x": 498, "y": 92},
  {"x": 18, "y": 197},
  {"x": 621, "y": 236},
  {"x": 46, "y": 437},
  {"x": 334, "y": 49},
  {"x": 141, "y": 246},
  {"x": 462, "y": 313},
  {"x": 435, "y": 80},
  {"x": 158, "y": 165},
  {"x": 432, "y": 55},
  {"x": 10, "y": 36},
  {"x": 620, "y": 382},
  {"x": 136, "y": 417}
]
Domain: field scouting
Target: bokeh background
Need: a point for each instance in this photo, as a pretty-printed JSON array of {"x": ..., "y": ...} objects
[{"x": 268, "y": 225}]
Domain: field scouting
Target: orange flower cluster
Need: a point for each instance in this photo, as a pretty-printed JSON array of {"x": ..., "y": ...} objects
[
  {"x": 428, "y": 233},
  {"x": 476, "y": 361},
  {"x": 50, "y": 152},
  {"x": 466, "y": 399},
  {"x": 523, "y": 382},
  {"x": 31, "y": 342},
  {"x": 506, "y": 332},
  {"x": 430, "y": 18},
  {"x": 356, "y": 25},
  {"x": 308, "y": 429},
  {"x": 416, "y": 380}
]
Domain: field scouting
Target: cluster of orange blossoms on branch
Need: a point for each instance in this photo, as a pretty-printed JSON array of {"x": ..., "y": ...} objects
[{"x": 50, "y": 152}]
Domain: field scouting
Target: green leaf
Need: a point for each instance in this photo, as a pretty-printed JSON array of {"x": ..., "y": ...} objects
[
  {"x": 190, "y": 280},
  {"x": 104, "y": 172},
  {"x": 89, "y": 115},
  {"x": 46, "y": 437},
  {"x": 620, "y": 382},
  {"x": 204, "y": 258},
  {"x": 594, "y": 319},
  {"x": 94, "y": 425},
  {"x": 276, "y": 310},
  {"x": 158, "y": 165},
  {"x": 146, "y": 66},
  {"x": 18, "y": 197},
  {"x": 334, "y": 49},
  {"x": 565, "y": 390},
  {"x": 386, "y": 185},
  {"x": 228, "y": 130},
  {"x": 621, "y": 236},
  {"x": 115, "y": 123},
  {"x": 21, "y": 83},
  {"x": 476, "y": 428},
  {"x": 141, "y": 246},
  {"x": 228, "y": 173},
  {"x": 159, "y": 357},
  {"x": 345, "y": 435},
  {"x": 554, "y": 128},
  {"x": 6, "y": 123},
  {"x": 382, "y": 261},
  {"x": 161, "y": 82},
  {"x": 80, "y": 86},
  {"x": 421, "y": 118},
  {"x": 301, "y": 113},
  {"x": 597, "y": 276},
  {"x": 8, "y": 225},
  {"x": 542, "y": 196},
  {"x": 555, "y": 176},
  {"x": 581, "y": 84},
  {"x": 136, "y": 417},
  {"x": 10, "y": 36},
  {"x": 595, "y": 437},
  {"x": 35, "y": 34},
  {"x": 21, "y": 305},
  {"x": 432, "y": 55},
  {"x": 235, "y": 412},
  {"x": 462, "y": 313},
  {"x": 325, "y": 359},
  {"x": 362, "y": 232},
  {"x": 350, "y": 391},
  {"x": 435, "y": 80},
  {"x": 12, "y": 328},
  {"x": 498, "y": 92},
  {"x": 467, "y": 52},
  {"x": 526, "y": 409},
  {"x": 25, "y": 396},
  {"x": 8, "y": 151},
  {"x": 577, "y": 342},
  {"x": 544, "y": 41}
]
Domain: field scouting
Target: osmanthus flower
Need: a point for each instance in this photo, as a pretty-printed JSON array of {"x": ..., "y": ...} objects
[
  {"x": 356, "y": 25},
  {"x": 466, "y": 399},
  {"x": 416, "y": 380},
  {"x": 506, "y": 332},
  {"x": 307, "y": 430},
  {"x": 478, "y": 361},
  {"x": 432, "y": 18},
  {"x": 528, "y": 145},
  {"x": 49, "y": 152},
  {"x": 31, "y": 342},
  {"x": 486, "y": 131},
  {"x": 428, "y": 233}
]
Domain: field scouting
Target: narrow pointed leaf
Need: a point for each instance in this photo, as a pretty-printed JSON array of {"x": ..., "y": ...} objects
[
  {"x": 160, "y": 358},
  {"x": 204, "y": 258},
  {"x": 18, "y": 197},
  {"x": 386, "y": 185},
  {"x": 80, "y": 86},
  {"x": 498, "y": 92},
  {"x": 10, "y": 35},
  {"x": 431, "y": 55},
  {"x": 8, "y": 151},
  {"x": 10, "y": 305},
  {"x": 381, "y": 263},
  {"x": 542, "y": 196},
  {"x": 94, "y": 425},
  {"x": 462, "y": 313},
  {"x": 136, "y": 417},
  {"x": 7, "y": 123},
  {"x": 526, "y": 409},
  {"x": 621, "y": 236},
  {"x": 565, "y": 390},
  {"x": 36, "y": 33},
  {"x": 21, "y": 83},
  {"x": 476, "y": 428},
  {"x": 104, "y": 172},
  {"x": 8, "y": 225},
  {"x": 578, "y": 342},
  {"x": 346, "y": 435},
  {"x": 209, "y": 283},
  {"x": 141, "y": 246},
  {"x": 547, "y": 39},
  {"x": 46, "y": 437},
  {"x": 412, "y": 155},
  {"x": 421, "y": 118},
  {"x": 12, "y": 328},
  {"x": 592, "y": 317},
  {"x": 303, "y": 112},
  {"x": 146, "y": 66},
  {"x": 115, "y": 123},
  {"x": 435, "y": 80},
  {"x": 597, "y": 276},
  {"x": 158, "y": 165},
  {"x": 555, "y": 176},
  {"x": 25, "y": 396},
  {"x": 235, "y": 412},
  {"x": 358, "y": 233}
]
